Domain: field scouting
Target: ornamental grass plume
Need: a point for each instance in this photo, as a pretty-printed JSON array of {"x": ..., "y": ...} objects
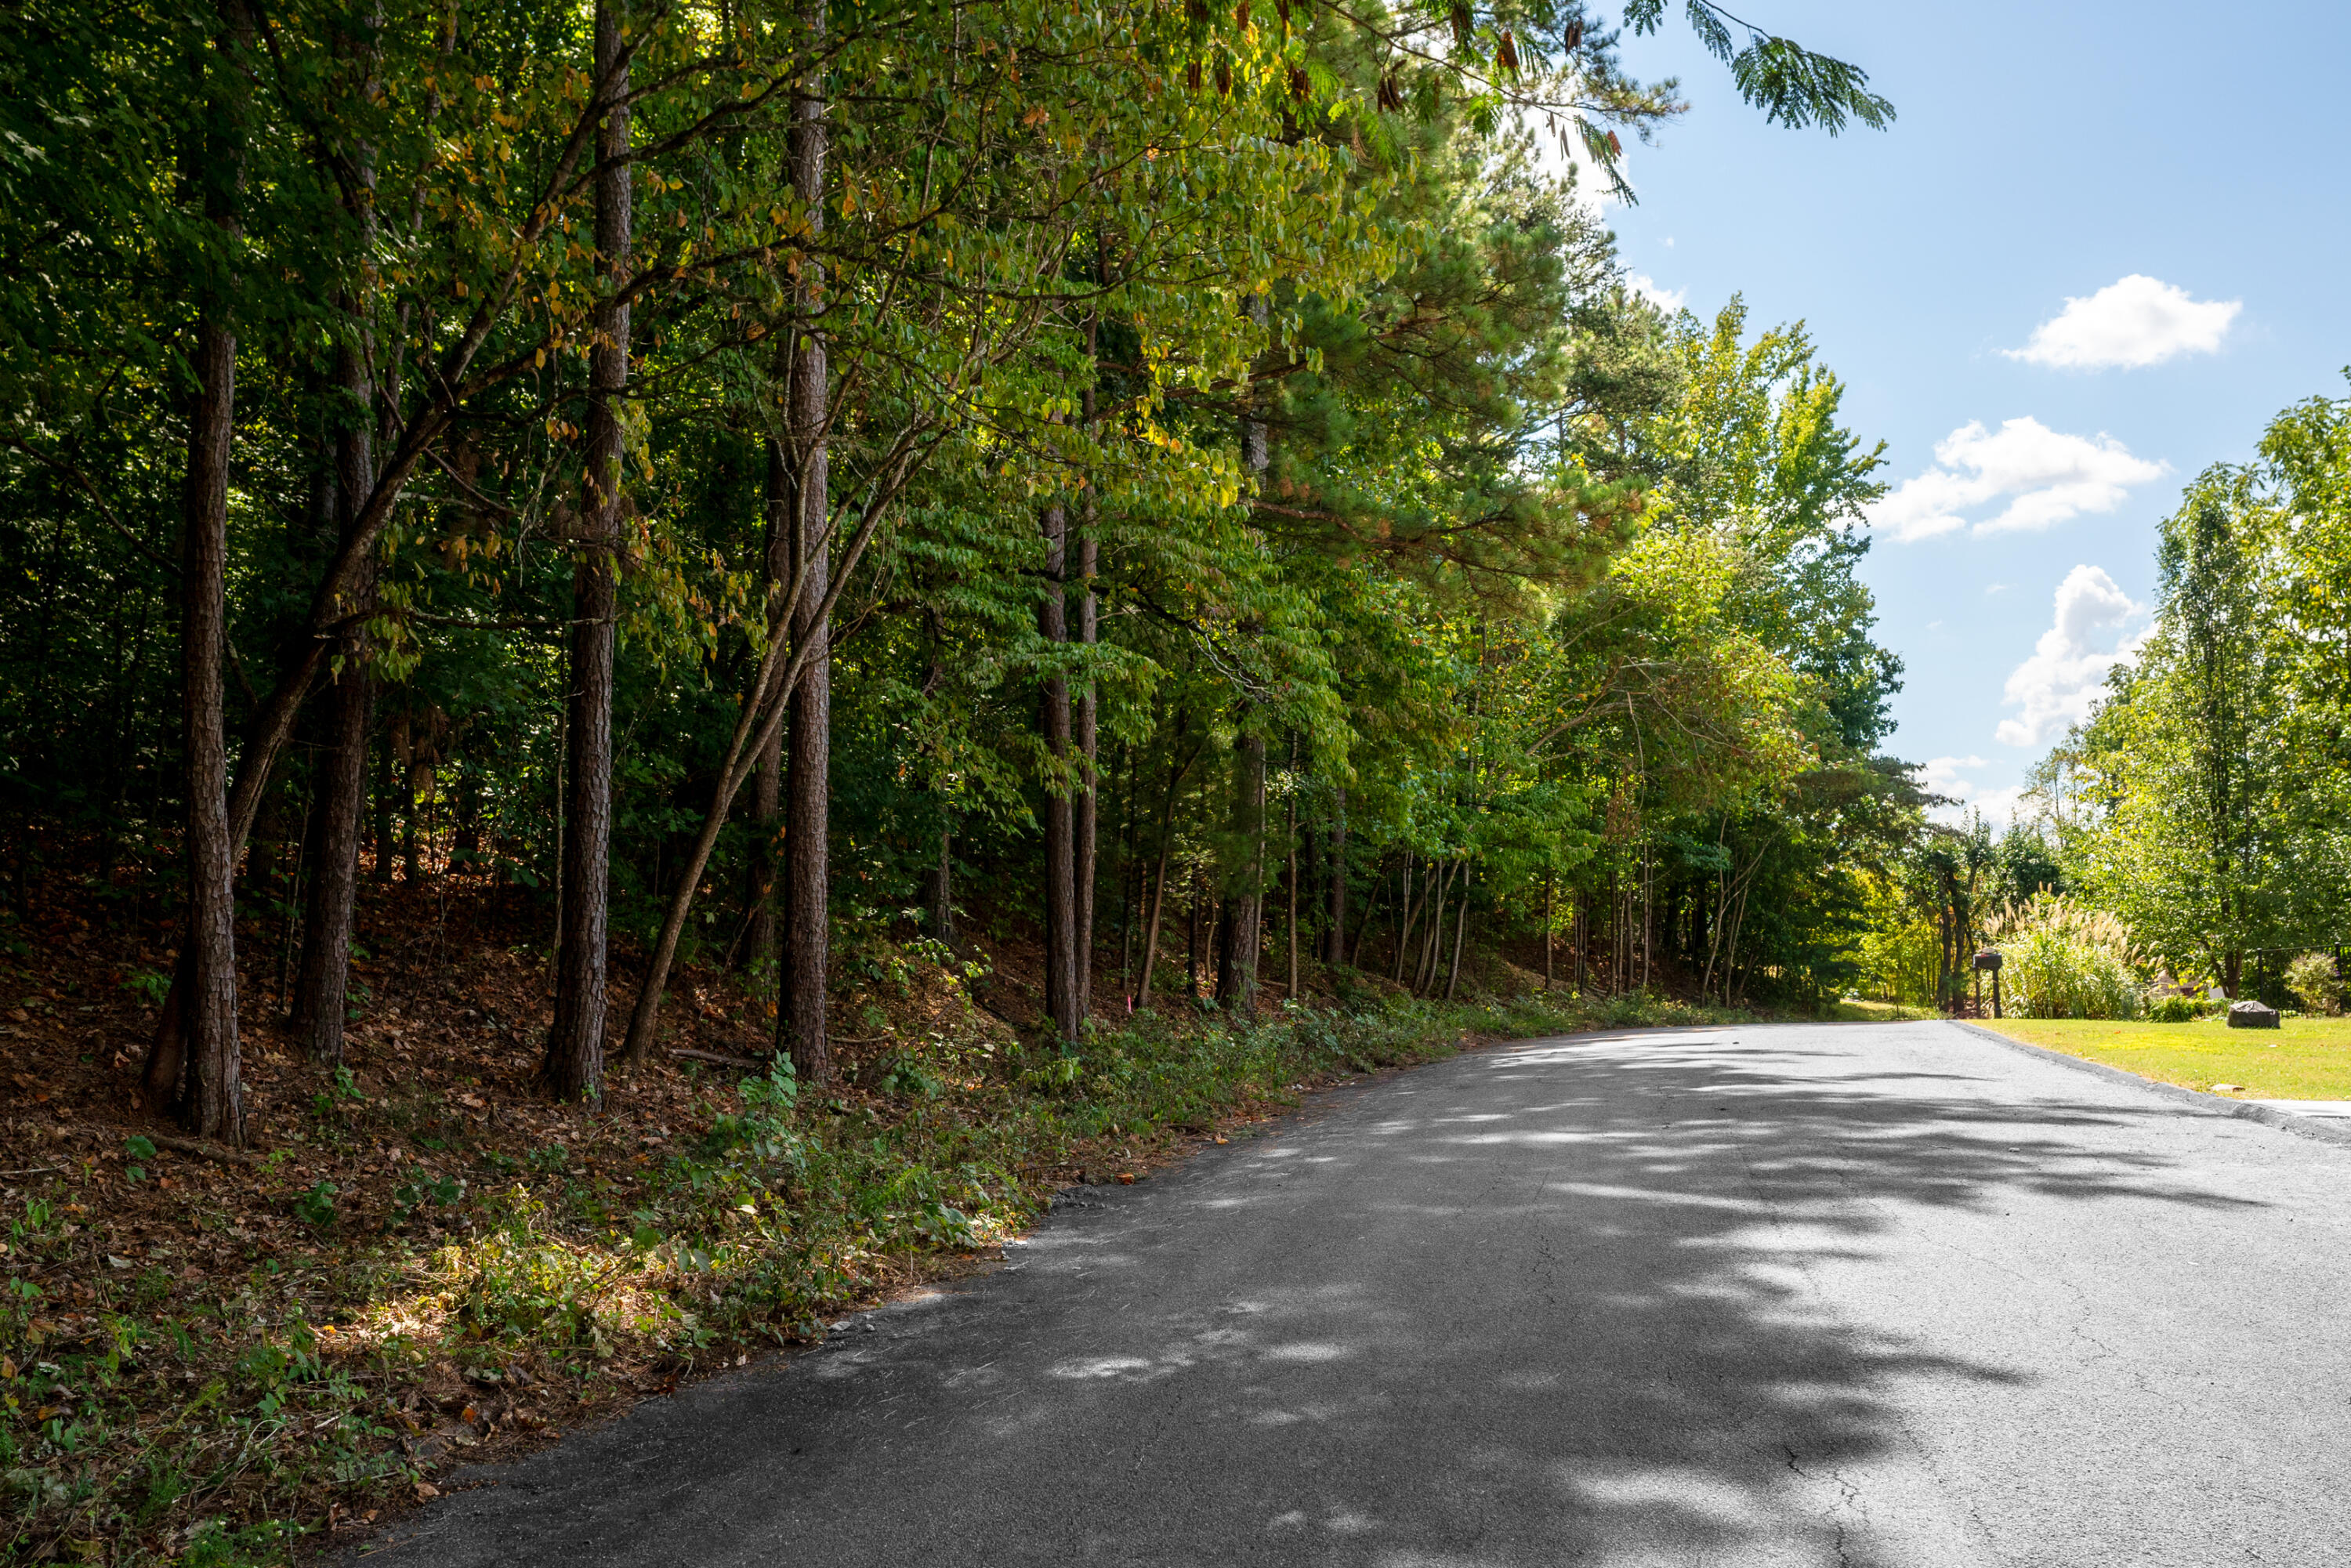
[
  {"x": 2065, "y": 960},
  {"x": 2311, "y": 978}
]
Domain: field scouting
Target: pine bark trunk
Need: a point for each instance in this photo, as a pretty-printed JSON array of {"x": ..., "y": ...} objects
[
  {"x": 575, "y": 1048},
  {"x": 806, "y": 917},
  {"x": 201, "y": 1075},
  {"x": 208, "y": 1098}
]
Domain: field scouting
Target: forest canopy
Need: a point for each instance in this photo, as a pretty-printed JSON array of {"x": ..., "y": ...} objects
[{"x": 753, "y": 482}]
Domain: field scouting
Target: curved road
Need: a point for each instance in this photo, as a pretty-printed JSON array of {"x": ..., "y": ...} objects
[{"x": 1822, "y": 1295}]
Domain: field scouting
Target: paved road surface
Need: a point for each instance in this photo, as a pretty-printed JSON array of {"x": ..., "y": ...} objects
[{"x": 1846, "y": 1296}]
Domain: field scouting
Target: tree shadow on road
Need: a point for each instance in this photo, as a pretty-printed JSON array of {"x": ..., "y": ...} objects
[{"x": 1580, "y": 1301}]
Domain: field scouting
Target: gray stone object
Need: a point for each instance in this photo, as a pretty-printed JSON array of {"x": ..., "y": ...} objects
[{"x": 2251, "y": 1015}]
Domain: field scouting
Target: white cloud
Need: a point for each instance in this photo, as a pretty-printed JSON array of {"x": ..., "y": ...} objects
[
  {"x": 1941, "y": 774},
  {"x": 2045, "y": 475},
  {"x": 1669, "y": 300},
  {"x": 1947, "y": 776},
  {"x": 2060, "y": 682},
  {"x": 2137, "y": 320}
]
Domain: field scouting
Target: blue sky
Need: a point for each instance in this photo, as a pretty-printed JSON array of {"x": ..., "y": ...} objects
[{"x": 2159, "y": 163}]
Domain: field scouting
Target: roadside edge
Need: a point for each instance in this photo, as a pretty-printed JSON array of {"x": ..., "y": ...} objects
[{"x": 2195, "y": 1100}]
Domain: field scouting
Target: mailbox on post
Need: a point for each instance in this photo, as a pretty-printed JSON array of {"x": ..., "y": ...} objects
[{"x": 1988, "y": 961}]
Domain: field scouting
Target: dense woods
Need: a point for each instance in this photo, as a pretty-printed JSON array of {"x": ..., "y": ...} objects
[
  {"x": 1189, "y": 485},
  {"x": 661, "y": 663}
]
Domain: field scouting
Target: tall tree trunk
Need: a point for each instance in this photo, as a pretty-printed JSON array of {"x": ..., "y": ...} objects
[
  {"x": 575, "y": 1048},
  {"x": 1337, "y": 951},
  {"x": 1580, "y": 928},
  {"x": 1238, "y": 943},
  {"x": 200, "y": 1073},
  {"x": 1433, "y": 944},
  {"x": 320, "y": 991},
  {"x": 1290, "y": 942},
  {"x": 1403, "y": 921},
  {"x": 1151, "y": 930},
  {"x": 1244, "y": 902},
  {"x": 1084, "y": 807},
  {"x": 1060, "y": 839},
  {"x": 807, "y": 906},
  {"x": 1175, "y": 771},
  {"x": 1191, "y": 940},
  {"x": 1550, "y": 919},
  {"x": 209, "y": 1097},
  {"x": 768, "y": 782},
  {"x": 1460, "y": 933},
  {"x": 942, "y": 924}
]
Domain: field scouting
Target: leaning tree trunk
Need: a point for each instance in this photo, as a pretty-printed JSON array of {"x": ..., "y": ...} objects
[
  {"x": 575, "y": 1048},
  {"x": 1060, "y": 840},
  {"x": 807, "y": 904}
]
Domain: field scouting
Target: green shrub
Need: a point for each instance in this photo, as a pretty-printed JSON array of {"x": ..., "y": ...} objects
[
  {"x": 2312, "y": 979},
  {"x": 2173, "y": 1009},
  {"x": 2065, "y": 961}
]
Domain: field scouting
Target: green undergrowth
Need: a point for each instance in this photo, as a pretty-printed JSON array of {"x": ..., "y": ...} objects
[{"x": 147, "y": 1417}]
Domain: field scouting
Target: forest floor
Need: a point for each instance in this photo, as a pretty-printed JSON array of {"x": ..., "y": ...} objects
[
  {"x": 2303, "y": 1059},
  {"x": 208, "y": 1357}
]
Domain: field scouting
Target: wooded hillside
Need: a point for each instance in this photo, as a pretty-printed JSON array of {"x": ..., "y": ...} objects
[{"x": 772, "y": 481}]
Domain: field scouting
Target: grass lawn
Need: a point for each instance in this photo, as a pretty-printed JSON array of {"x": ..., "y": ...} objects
[{"x": 2305, "y": 1059}]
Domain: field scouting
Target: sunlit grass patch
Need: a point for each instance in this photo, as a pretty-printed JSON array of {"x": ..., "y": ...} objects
[{"x": 2304, "y": 1059}]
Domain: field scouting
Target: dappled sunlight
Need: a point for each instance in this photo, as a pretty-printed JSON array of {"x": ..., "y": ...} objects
[{"x": 1575, "y": 1324}]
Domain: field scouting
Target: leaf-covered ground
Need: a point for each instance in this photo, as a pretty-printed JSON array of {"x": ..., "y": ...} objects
[{"x": 423, "y": 1261}]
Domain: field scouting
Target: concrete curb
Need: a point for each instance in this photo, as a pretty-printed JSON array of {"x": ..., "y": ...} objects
[{"x": 2193, "y": 1100}]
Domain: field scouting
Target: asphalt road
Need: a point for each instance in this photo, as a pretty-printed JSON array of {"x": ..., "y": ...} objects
[{"x": 1844, "y": 1295}]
